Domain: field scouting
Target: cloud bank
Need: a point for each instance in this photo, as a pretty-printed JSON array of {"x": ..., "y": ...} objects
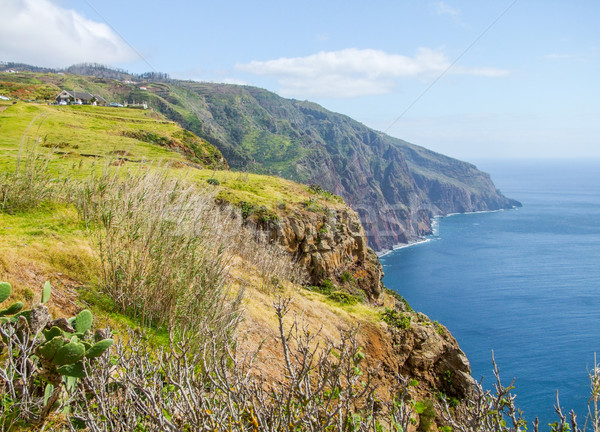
[
  {"x": 355, "y": 72},
  {"x": 41, "y": 33}
]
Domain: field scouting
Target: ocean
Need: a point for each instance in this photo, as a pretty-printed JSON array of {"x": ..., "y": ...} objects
[{"x": 523, "y": 283}]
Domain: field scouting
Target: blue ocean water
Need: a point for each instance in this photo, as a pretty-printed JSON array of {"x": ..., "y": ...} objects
[{"x": 524, "y": 283}]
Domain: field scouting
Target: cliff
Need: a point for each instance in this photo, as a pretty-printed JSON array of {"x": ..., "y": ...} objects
[
  {"x": 395, "y": 187},
  {"x": 330, "y": 244},
  {"x": 328, "y": 241}
]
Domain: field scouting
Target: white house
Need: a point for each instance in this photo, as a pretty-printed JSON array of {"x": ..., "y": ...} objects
[{"x": 79, "y": 98}]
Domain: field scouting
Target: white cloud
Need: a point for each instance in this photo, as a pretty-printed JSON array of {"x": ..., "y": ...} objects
[
  {"x": 442, "y": 8},
  {"x": 41, "y": 33},
  {"x": 354, "y": 72}
]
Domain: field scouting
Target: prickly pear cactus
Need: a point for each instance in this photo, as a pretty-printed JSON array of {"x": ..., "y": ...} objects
[
  {"x": 5, "y": 290},
  {"x": 46, "y": 291},
  {"x": 69, "y": 353},
  {"x": 83, "y": 321},
  {"x": 98, "y": 348},
  {"x": 62, "y": 348}
]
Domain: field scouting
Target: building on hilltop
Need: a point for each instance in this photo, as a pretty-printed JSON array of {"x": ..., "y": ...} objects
[
  {"x": 137, "y": 105},
  {"x": 68, "y": 97}
]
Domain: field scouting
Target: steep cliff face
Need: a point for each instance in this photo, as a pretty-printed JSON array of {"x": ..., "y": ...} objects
[
  {"x": 330, "y": 244},
  {"x": 394, "y": 186},
  {"x": 420, "y": 352}
]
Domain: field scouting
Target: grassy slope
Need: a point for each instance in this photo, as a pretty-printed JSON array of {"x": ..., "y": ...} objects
[
  {"x": 104, "y": 126},
  {"x": 52, "y": 243}
]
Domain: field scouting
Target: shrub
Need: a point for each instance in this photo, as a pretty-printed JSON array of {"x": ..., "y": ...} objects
[
  {"x": 395, "y": 319},
  {"x": 213, "y": 181},
  {"x": 247, "y": 209},
  {"x": 439, "y": 328},
  {"x": 347, "y": 277},
  {"x": 219, "y": 390},
  {"x": 426, "y": 412},
  {"x": 343, "y": 298},
  {"x": 399, "y": 298},
  {"x": 327, "y": 287}
]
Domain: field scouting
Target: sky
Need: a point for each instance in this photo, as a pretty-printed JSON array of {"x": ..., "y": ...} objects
[{"x": 470, "y": 79}]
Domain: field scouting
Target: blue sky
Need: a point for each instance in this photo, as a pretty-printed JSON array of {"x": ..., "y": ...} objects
[{"x": 470, "y": 79}]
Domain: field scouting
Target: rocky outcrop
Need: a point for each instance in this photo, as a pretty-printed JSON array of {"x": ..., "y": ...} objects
[
  {"x": 422, "y": 352},
  {"x": 330, "y": 244}
]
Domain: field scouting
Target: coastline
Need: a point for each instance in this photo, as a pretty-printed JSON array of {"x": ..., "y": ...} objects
[
  {"x": 402, "y": 246},
  {"x": 434, "y": 231}
]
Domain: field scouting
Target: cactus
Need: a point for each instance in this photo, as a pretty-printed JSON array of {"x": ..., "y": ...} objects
[
  {"x": 61, "y": 354},
  {"x": 69, "y": 353},
  {"x": 52, "y": 333},
  {"x": 83, "y": 321},
  {"x": 49, "y": 349},
  {"x": 5, "y": 290},
  {"x": 98, "y": 348},
  {"x": 46, "y": 291},
  {"x": 75, "y": 370},
  {"x": 12, "y": 309},
  {"x": 24, "y": 313}
]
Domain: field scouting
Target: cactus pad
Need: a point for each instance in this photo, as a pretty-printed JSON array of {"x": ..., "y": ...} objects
[
  {"x": 52, "y": 333},
  {"x": 69, "y": 353},
  {"x": 73, "y": 370},
  {"x": 99, "y": 348},
  {"x": 83, "y": 321},
  {"x": 49, "y": 349},
  {"x": 5, "y": 290},
  {"x": 46, "y": 292},
  {"x": 12, "y": 309}
]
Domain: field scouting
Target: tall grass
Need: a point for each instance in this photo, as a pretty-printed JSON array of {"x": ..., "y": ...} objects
[
  {"x": 161, "y": 243},
  {"x": 29, "y": 184},
  {"x": 166, "y": 248}
]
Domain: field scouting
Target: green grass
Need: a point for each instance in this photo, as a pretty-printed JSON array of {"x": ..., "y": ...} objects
[
  {"x": 83, "y": 131},
  {"x": 276, "y": 152},
  {"x": 72, "y": 135}
]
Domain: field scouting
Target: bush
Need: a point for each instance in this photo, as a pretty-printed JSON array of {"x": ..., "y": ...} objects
[
  {"x": 395, "y": 319},
  {"x": 343, "y": 298},
  {"x": 399, "y": 298},
  {"x": 439, "y": 328},
  {"x": 347, "y": 277},
  {"x": 326, "y": 287},
  {"x": 321, "y": 389},
  {"x": 213, "y": 181},
  {"x": 426, "y": 413}
]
